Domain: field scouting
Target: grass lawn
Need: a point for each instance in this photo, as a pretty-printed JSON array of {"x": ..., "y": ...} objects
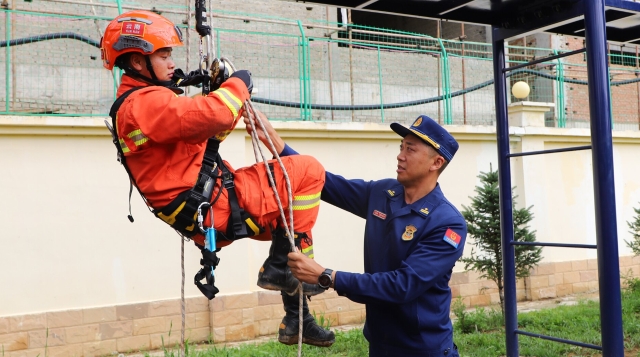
[{"x": 480, "y": 333}]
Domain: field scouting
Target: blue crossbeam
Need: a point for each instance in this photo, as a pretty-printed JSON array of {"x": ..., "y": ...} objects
[
  {"x": 562, "y": 340},
  {"x": 550, "y": 151},
  {"x": 564, "y": 245}
]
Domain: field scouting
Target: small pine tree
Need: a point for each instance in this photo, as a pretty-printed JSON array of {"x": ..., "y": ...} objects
[
  {"x": 483, "y": 223},
  {"x": 634, "y": 244}
]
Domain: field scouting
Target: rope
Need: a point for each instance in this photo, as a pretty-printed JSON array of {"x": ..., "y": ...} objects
[
  {"x": 253, "y": 118},
  {"x": 182, "y": 304}
]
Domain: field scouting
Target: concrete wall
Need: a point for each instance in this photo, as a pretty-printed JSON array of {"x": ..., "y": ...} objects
[
  {"x": 72, "y": 261},
  {"x": 67, "y": 228},
  {"x": 66, "y": 76}
]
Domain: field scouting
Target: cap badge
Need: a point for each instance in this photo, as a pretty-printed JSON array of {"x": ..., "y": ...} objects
[
  {"x": 408, "y": 232},
  {"x": 417, "y": 122}
]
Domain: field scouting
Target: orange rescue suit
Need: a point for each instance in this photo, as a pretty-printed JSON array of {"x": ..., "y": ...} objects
[{"x": 164, "y": 137}]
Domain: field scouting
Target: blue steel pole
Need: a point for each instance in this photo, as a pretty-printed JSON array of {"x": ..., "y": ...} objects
[
  {"x": 604, "y": 189},
  {"x": 506, "y": 201}
]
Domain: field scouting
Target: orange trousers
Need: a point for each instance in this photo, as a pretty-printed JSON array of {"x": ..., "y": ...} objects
[{"x": 256, "y": 196}]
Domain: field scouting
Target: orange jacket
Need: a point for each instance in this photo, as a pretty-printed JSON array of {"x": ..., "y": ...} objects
[{"x": 164, "y": 135}]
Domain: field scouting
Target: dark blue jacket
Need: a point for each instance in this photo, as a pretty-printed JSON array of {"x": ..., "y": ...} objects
[{"x": 409, "y": 254}]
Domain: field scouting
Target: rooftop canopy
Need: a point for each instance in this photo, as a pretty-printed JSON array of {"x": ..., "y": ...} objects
[{"x": 512, "y": 18}]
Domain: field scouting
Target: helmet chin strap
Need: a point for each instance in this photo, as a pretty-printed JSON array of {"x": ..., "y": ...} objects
[
  {"x": 150, "y": 68},
  {"x": 153, "y": 80}
]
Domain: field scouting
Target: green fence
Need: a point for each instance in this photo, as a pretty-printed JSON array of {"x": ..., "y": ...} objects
[{"x": 309, "y": 69}]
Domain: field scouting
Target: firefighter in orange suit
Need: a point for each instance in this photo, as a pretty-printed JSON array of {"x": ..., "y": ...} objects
[{"x": 164, "y": 141}]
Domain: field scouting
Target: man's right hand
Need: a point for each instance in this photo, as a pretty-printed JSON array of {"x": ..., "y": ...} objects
[{"x": 275, "y": 138}]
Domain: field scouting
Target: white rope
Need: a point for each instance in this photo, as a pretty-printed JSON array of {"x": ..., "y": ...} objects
[
  {"x": 186, "y": 90},
  {"x": 254, "y": 138},
  {"x": 182, "y": 304}
]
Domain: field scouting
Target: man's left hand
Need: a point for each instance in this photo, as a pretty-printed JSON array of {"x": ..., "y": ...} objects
[{"x": 304, "y": 268}]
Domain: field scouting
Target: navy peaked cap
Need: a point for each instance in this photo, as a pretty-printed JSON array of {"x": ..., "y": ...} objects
[{"x": 431, "y": 133}]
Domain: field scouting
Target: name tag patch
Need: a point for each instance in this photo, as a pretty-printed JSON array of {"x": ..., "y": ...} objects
[
  {"x": 380, "y": 214},
  {"x": 452, "y": 238}
]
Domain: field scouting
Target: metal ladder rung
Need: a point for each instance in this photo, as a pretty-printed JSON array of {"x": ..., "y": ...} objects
[
  {"x": 551, "y": 151},
  {"x": 564, "y": 245},
  {"x": 570, "y": 342}
]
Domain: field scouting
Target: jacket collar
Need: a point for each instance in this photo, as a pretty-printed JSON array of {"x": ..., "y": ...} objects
[
  {"x": 423, "y": 206},
  {"x": 128, "y": 82}
]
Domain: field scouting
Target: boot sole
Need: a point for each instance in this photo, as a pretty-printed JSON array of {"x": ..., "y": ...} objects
[
  {"x": 277, "y": 287},
  {"x": 293, "y": 340}
]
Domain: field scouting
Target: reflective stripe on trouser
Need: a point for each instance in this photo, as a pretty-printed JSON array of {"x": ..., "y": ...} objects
[
  {"x": 255, "y": 194},
  {"x": 304, "y": 243}
]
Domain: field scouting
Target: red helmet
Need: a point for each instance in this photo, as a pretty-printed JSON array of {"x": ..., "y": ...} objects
[{"x": 137, "y": 31}]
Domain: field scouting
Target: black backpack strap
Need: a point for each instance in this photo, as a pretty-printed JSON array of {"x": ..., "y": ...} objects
[{"x": 113, "y": 113}]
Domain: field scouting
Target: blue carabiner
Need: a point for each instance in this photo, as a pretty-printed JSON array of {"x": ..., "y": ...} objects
[{"x": 210, "y": 237}]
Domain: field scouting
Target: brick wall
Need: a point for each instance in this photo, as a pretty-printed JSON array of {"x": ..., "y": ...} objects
[
  {"x": 231, "y": 318},
  {"x": 549, "y": 280},
  {"x": 147, "y": 326}
]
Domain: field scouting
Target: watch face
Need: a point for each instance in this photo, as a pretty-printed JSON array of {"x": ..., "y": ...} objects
[{"x": 324, "y": 281}]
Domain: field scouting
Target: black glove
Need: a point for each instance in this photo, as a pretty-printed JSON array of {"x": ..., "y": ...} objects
[
  {"x": 194, "y": 78},
  {"x": 246, "y": 78}
]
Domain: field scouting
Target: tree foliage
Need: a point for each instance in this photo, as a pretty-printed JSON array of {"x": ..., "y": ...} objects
[
  {"x": 483, "y": 223},
  {"x": 634, "y": 227}
]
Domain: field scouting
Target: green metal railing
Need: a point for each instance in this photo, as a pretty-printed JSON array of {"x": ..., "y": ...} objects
[{"x": 354, "y": 73}]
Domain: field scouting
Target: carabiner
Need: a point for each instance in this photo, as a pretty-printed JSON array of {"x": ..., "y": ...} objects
[{"x": 201, "y": 218}]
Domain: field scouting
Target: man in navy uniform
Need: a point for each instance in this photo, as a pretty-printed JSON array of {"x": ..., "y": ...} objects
[{"x": 413, "y": 238}]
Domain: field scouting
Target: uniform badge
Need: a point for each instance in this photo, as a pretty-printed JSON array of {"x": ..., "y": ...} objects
[
  {"x": 408, "y": 232},
  {"x": 452, "y": 238},
  {"x": 380, "y": 214},
  {"x": 391, "y": 193},
  {"x": 418, "y": 122},
  {"x": 425, "y": 211}
]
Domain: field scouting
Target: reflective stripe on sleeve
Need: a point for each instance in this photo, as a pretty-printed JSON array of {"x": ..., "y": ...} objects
[{"x": 231, "y": 101}]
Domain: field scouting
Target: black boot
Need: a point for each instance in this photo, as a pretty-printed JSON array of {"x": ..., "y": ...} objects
[
  {"x": 276, "y": 275},
  {"x": 312, "y": 333}
]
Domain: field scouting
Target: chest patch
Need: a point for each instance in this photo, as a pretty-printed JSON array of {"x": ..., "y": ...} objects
[
  {"x": 408, "y": 232},
  {"x": 452, "y": 238},
  {"x": 379, "y": 214}
]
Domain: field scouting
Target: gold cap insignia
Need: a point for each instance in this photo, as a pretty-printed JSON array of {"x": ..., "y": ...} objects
[
  {"x": 425, "y": 210},
  {"x": 417, "y": 122},
  {"x": 408, "y": 232}
]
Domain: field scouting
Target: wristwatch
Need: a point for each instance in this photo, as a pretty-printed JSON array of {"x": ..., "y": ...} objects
[{"x": 325, "y": 280}]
